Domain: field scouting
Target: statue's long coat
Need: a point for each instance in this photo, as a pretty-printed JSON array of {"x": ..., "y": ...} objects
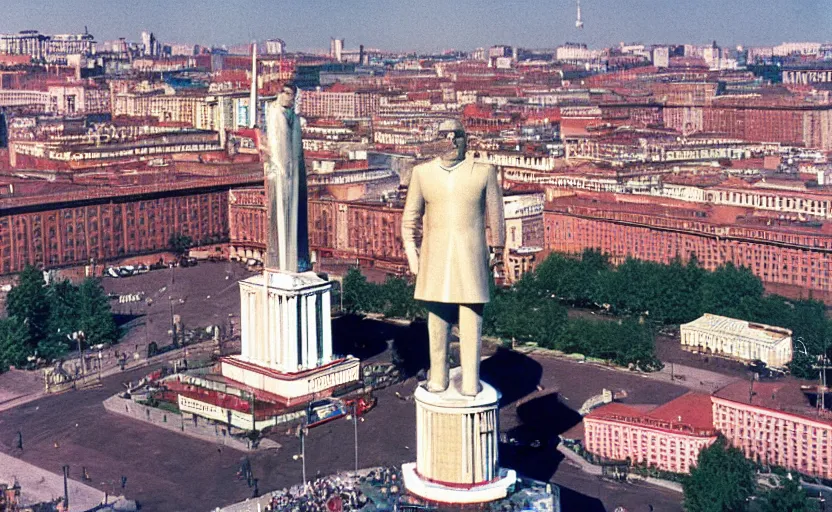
[
  {"x": 453, "y": 257},
  {"x": 288, "y": 238}
]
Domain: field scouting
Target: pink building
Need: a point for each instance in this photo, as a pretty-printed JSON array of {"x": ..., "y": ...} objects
[
  {"x": 772, "y": 424},
  {"x": 668, "y": 437}
]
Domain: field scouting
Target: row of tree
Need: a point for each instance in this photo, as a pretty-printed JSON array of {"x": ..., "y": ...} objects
[
  {"x": 517, "y": 313},
  {"x": 41, "y": 319},
  {"x": 679, "y": 293},
  {"x": 723, "y": 480},
  {"x": 675, "y": 293}
]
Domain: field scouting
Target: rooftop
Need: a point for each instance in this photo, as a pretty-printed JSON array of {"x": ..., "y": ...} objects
[
  {"x": 782, "y": 395},
  {"x": 723, "y": 324},
  {"x": 691, "y": 413}
]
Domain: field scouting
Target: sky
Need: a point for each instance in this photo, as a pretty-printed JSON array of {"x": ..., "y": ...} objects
[{"x": 430, "y": 25}]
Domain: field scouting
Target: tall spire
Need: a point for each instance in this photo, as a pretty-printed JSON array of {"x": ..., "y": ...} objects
[{"x": 252, "y": 119}]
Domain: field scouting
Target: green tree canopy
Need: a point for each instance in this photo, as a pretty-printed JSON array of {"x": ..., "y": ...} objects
[
  {"x": 789, "y": 497},
  {"x": 13, "y": 343},
  {"x": 179, "y": 243},
  {"x": 721, "y": 481},
  {"x": 41, "y": 319},
  {"x": 29, "y": 302}
]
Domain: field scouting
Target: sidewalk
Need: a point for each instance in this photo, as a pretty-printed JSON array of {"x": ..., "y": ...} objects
[
  {"x": 38, "y": 485},
  {"x": 695, "y": 379},
  {"x": 108, "y": 370},
  {"x": 592, "y": 469},
  {"x": 579, "y": 461}
]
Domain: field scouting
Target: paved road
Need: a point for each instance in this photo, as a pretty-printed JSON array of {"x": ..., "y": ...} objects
[
  {"x": 168, "y": 472},
  {"x": 39, "y": 485}
]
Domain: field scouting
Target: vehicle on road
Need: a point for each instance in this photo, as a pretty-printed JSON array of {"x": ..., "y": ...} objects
[{"x": 328, "y": 409}]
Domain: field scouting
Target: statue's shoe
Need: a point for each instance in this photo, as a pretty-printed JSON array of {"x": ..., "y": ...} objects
[{"x": 435, "y": 388}]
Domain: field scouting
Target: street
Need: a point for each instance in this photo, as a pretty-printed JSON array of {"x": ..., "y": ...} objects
[{"x": 167, "y": 471}]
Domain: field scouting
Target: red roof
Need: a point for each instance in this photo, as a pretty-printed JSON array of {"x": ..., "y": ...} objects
[
  {"x": 690, "y": 413},
  {"x": 782, "y": 395},
  {"x": 694, "y": 409}
]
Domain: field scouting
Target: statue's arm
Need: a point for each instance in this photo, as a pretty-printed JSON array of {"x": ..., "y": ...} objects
[
  {"x": 496, "y": 220},
  {"x": 494, "y": 208},
  {"x": 414, "y": 208},
  {"x": 272, "y": 131}
]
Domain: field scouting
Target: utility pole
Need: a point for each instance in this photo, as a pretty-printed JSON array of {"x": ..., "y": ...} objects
[
  {"x": 303, "y": 453},
  {"x": 355, "y": 431},
  {"x": 251, "y": 401},
  {"x": 78, "y": 335},
  {"x": 172, "y": 325},
  {"x": 66, "y": 488}
]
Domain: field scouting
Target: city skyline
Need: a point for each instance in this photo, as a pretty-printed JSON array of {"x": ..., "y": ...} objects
[{"x": 432, "y": 26}]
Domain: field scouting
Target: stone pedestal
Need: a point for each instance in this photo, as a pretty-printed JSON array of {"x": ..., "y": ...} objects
[
  {"x": 286, "y": 331},
  {"x": 457, "y": 441}
]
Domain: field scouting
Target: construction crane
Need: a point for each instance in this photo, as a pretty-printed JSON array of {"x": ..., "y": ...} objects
[{"x": 578, "y": 22}]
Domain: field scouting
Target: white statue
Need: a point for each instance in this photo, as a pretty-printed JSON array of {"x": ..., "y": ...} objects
[{"x": 287, "y": 245}]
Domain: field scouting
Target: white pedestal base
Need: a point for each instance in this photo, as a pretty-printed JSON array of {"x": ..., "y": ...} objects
[
  {"x": 457, "y": 440},
  {"x": 286, "y": 331},
  {"x": 433, "y": 491},
  {"x": 285, "y": 321},
  {"x": 292, "y": 388}
]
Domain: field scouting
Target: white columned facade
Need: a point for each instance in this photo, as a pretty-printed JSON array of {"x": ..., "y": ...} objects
[
  {"x": 456, "y": 447},
  {"x": 326, "y": 333},
  {"x": 286, "y": 332}
]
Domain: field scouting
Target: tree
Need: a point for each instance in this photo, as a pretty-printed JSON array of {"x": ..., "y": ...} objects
[
  {"x": 13, "y": 343},
  {"x": 731, "y": 291},
  {"x": 355, "y": 290},
  {"x": 95, "y": 318},
  {"x": 396, "y": 299},
  {"x": 789, "y": 497},
  {"x": 721, "y": 481},
  {"x": 63, "y": 317},
  {"x": 179, "y": 243},
  {"x": 29, "y": 302}
]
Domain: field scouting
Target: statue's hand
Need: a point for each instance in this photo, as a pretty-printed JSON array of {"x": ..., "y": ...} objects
[
  {"x": 413, "y": 260},
  {"x": 498, "y": 265}
]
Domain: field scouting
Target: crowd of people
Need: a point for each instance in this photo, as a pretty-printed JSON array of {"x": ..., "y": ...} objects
[{"x": 331, "y": 494}]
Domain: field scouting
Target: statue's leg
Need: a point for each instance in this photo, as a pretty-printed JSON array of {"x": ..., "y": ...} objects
[
  {"x": 470, "y": 347},
  {"x": 440, "y": 317}
]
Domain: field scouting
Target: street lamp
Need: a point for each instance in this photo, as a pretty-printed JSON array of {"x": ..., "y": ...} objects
[
  {"x": 78, "y": 336},
  {"x": 302, "y": 455},
  {"x": 354, "y": 417},
  {"x": 66, "y": 487},
  {"x": 172, "y": 325}
]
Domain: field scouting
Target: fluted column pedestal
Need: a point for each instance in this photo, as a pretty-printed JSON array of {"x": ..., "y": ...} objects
[
  {"x": 286, "y": 332},
  {"x": 457, "y": 441}
]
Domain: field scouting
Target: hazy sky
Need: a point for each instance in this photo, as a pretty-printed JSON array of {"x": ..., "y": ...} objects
[{"x": 429, "y": 25}]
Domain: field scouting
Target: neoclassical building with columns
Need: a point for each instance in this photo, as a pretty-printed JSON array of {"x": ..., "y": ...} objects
[{"x": 747, "y": 341}]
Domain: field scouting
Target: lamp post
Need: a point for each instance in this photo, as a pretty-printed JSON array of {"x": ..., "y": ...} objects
[
  {"x": 302, "y": 456},
  {"x": 172, "y": 325},
  {"x": 354, "y": 417},
  {"x": 66, "y": 487},
  {"x": 78, "y": 336}
]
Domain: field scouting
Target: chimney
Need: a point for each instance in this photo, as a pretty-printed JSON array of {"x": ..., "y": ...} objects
[{"x": 252, "y": 107}]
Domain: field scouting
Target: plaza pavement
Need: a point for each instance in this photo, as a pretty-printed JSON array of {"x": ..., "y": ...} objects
[{"x": 39, "y": 485}]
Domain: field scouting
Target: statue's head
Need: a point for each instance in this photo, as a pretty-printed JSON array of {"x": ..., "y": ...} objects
[
  {"x": 286, "y": 97},
  {"x": 455, "y": 142}
]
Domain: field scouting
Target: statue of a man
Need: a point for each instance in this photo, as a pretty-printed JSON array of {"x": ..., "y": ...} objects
[
  {"x": 288, "y": 240},
  {"x": 450, "y": 196}
]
